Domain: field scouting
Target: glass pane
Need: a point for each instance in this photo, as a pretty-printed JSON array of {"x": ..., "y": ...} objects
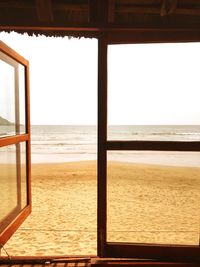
[
  {"x": 13, "y": 179},
  {"x": 21, "y": 73},
  {"x": 8, "y": 184},
  {"x": 153, "y": 197},
  {"x": 153, "y": 84},
  {"x": 23, "y": 175},
  {"x": 7, "y": 99},
  {"x": 12, "y": 97}
]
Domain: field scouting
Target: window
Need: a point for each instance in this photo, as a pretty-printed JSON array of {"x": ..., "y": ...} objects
[
  {"x": 148, "y": 121},
  {"x": 61, "y": 145},
  {"x": 14, "y": 142},
  {"x": 15, "y": 145}
]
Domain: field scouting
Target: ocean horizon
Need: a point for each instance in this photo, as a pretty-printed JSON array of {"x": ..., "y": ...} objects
[{"x": 68, "y": 143}]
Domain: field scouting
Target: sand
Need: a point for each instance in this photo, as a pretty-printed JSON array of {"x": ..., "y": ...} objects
[{"x": 146, "y": 203}]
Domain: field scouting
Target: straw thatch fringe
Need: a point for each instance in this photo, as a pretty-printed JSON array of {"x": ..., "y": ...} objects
[{"x": 54, "y": 33}]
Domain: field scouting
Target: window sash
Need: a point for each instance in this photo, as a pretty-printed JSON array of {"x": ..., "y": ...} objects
[
  {"x": 131, "y": 250},
  {"x": 14, "y": 218}
]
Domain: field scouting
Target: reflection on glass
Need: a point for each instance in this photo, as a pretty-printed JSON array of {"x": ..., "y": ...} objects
[
  {"x": 144, "y": 90},
  {"x": 21, "y": 71},
  {"x": 154, "y": 200},
  {"x": 8, "y": 180},
  {"x": 7, "y": 99},
  {"x": 12, "y": 97},
  {"x": 23, "y": 175}
]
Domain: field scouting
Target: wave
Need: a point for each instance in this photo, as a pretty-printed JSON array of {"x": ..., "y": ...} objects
[
  {"x": 62, "y": 144},
  {"x": 65, "y": 152},
  {"x": 84, "y": 136},
  {"x": 174, "y": 133}
]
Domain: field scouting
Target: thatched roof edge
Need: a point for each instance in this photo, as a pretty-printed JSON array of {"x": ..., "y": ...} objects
[{"x": 55, "y": 33}]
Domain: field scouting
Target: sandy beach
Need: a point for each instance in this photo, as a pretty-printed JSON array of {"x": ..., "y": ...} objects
[{"x": 146, "y": 203}]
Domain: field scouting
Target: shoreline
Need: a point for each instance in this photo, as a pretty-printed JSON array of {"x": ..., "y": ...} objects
[
  {"x": 64, "y": 215},
  {"x": 161, "y": 158}
]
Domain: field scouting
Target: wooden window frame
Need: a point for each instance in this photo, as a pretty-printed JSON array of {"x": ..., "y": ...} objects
[
  {"x": 15, "y": 218},
  {"x": 105, "y": 37},
  {"x": 131, "y": 250}
]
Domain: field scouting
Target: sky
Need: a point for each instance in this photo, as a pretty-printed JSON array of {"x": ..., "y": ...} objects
[
  {"x": 147, "y": 83},
  {"x": 63, "y": 78},
  {"x": 160, "y": 84}
]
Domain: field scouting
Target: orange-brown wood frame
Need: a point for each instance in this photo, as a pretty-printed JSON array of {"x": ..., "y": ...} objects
[
  {"x": 14, "y": 219},
  {"x": 125, "y": 250},
  {"x": 106, "y": 36}
]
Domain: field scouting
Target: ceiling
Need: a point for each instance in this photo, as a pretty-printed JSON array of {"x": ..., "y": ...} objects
[{"x": 93, "y": 16}]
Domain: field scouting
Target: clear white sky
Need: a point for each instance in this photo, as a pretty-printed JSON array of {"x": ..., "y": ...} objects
[
  {"x": 63, "y": 77},
  {"x": 148, "y": 84}
]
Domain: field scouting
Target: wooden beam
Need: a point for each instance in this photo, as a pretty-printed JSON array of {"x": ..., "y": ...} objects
[
  {"x": 31, "y": 5},
  {"x": 168, "y": 7},
  {"x": 12, "y": 228},
  {"x": 127, "y": 6},
  {"x": 12, "y": 140},
  {"x": 71, "y": 7},
  {"x": 98, "y": 12},
  {"x": 126, "y": 263},
  {"x": 111, "y": 11},
  {"x": 154, "y": 145},
  {"x": 102, "y": 153},
  {"x": 16, "y": 4},
  {"x": 44, "y": 10},
  {"x": 138, "y": 10},
  {"x": 178, "y": 253},
  {"x": 117, "y": 36},
  {"x": 156, "y": 10},
  {"x": 136, "y": 2},
  {"x": 42, "y": 260},
  {"x": 173, "y": 6}
]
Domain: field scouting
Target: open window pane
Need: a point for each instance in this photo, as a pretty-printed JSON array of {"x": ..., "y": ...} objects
[
  {"x": 12, "y": 97},
  {"x": 153, "y": 201},
  {"x": 22, "y": 117},
  {"x": 8, "y": 174},
  {"x": 7, "y": 99},
  {"x": 63, "y": 130},
  {"x": 13, "y": 184},
  {"x": 153, "y": 84},
  {"x": 23, "y": 172}
]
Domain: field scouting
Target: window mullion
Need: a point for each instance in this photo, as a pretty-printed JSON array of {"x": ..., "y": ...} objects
[
  {"x": 102, "y": 137},
  {"x": 10, "y": 140},
  {"x": 154, "y": 145}
]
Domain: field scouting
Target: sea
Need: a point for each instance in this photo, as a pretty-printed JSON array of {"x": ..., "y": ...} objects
[{"x": 67, "y": 143}]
